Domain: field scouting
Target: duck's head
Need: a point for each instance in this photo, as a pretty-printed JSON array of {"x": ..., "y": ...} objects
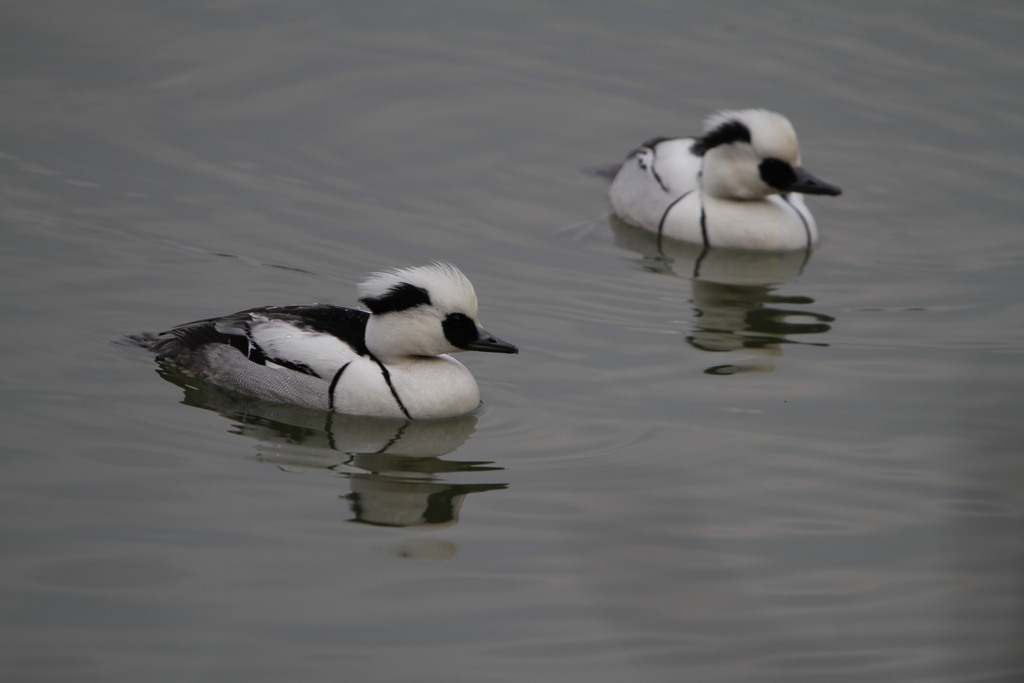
[
  {"x": 751, "y": 154},
  {"x": 424, "y": 311}
]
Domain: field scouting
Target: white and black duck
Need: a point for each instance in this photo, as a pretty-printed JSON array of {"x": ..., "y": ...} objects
[
  {"x": 390, "y": 361},
  {"x": 738, "y": 185}
]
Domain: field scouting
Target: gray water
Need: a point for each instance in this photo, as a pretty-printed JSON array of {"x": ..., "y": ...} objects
[{"x": 773, "y": 471}]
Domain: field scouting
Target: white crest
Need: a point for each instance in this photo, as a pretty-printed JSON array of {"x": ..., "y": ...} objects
[
  {"x": 771, "y": 133},
  {"x": 445, "y": 285}
]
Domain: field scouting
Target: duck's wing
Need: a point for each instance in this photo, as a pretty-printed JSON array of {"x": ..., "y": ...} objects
[
  {"x": 315, "y": 340},
  {"x": 675, "y": 164},
  {"x": 654, "y": 175}
]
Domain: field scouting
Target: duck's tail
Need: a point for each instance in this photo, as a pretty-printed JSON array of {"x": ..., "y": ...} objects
[{"x": 606, "y": 171}]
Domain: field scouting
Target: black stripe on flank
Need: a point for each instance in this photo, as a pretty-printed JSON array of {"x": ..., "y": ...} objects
[
  {"x": 654, "y": 172},
  {"x": 661, "y": 223},
  {"x": 703, "y": 213},
  {"x": 401, "y": 297},
  {"x": 394, "y": 392},
  {"x": 334, "y": 384},
  {"x": 724, "y": 134},
  {"x": 807, "y": 228},
  {"x": 704, "y": 226}
]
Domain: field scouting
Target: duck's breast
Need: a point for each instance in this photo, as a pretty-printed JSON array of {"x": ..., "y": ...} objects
[
  {"x": 774, "y": 224},
  {"x": 421, "y": 388}
]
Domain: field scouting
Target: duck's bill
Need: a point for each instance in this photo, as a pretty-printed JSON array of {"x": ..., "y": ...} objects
[
  {"x": 489, "y": 343},
  {"x": 809, "y": 184}
]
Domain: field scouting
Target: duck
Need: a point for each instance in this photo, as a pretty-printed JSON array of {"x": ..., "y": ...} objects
[
  {"x": 392, "y": 360},
  {"x": 739, "y": 185}
]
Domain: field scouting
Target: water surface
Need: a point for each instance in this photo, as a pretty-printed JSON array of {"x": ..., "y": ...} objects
[{"x": 700, "y": 467}]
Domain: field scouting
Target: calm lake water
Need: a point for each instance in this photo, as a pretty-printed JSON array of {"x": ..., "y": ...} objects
[{"x": 778, "y": 470}]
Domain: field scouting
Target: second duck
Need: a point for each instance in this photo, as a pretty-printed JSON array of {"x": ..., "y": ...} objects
[{"x": 738, "y": 185}]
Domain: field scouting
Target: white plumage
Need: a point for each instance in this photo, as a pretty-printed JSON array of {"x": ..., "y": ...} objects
[
  {"x": 389, "y": 362},
  {"x": 738, "y": 185}
]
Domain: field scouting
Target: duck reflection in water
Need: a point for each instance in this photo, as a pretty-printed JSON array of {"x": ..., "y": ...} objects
[
  {"x": 735, "y": 305},
  {"x": 395, "y": 468}
]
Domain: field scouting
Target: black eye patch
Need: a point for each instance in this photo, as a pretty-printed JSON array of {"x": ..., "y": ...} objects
[
  {"x": 777, "y": 173},
  {"x": 399, "y": 298},
  {"x": 460, "y": 330}
]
